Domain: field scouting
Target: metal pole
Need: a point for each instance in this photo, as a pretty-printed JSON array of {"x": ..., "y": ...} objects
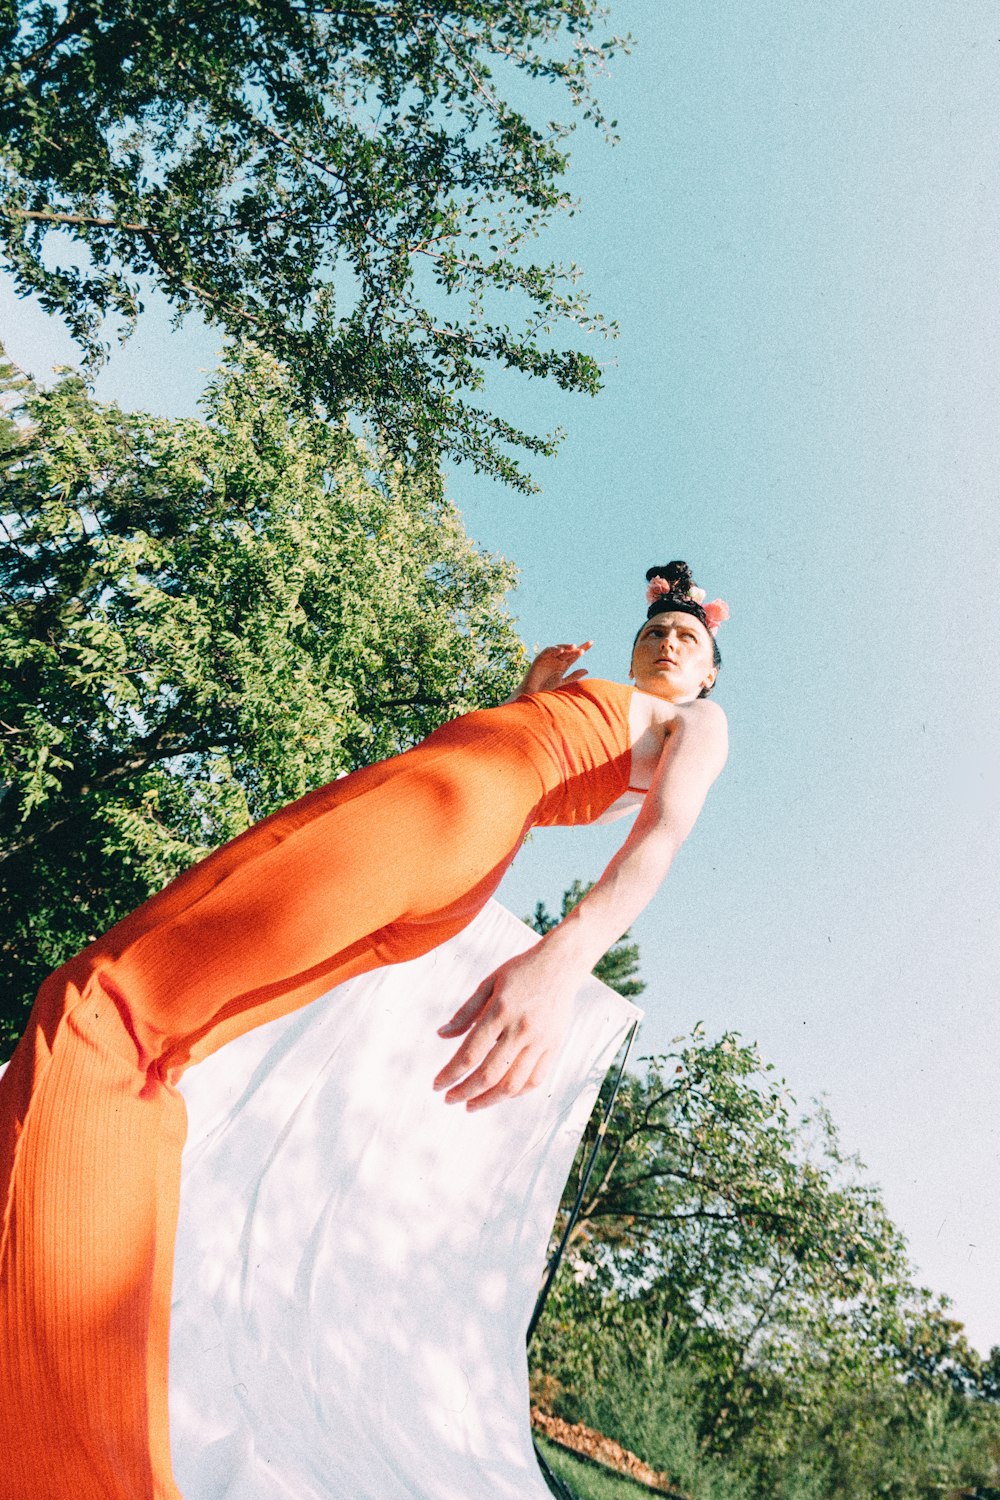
[{"x": 556, "y": 1259}]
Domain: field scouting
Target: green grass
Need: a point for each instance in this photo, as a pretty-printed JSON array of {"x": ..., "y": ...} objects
[{"x": 588, "y": 1482}]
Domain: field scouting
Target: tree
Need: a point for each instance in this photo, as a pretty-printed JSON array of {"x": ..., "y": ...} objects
[
  {"x": 199, "y": 621},
  {"x": 739, "y": 1297},
  {"x": 328, "y": 180},
  {"x": 738, "y": 1307},
  {"x": 734, "y": 1230}
]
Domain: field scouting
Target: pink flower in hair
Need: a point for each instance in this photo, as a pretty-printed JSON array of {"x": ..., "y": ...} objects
[
  {"x": 657, "y": 588},
  {"x": 715, "y": 612}
]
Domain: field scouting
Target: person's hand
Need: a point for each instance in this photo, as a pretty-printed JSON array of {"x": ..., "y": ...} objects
[
  {"x": 515, "y": 1021},
  {"x": 551, "y": 666}
]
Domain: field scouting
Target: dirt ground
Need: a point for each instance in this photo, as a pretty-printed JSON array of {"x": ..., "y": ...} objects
[{"x": 602, "y": 1450}]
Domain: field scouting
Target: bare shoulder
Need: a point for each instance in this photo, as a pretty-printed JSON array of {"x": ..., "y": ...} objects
[
  {"x": 710, "y": 725},
  {"x": 706, "y": 712}
]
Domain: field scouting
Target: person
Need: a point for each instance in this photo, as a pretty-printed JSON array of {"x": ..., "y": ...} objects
[{"x": 372, "y": 869}]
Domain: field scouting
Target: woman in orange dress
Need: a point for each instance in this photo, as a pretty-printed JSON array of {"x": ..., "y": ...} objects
[{"x": 373, "y": 869}]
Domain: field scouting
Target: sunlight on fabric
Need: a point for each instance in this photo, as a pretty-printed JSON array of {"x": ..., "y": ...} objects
[{"x": 357, "y": 1261}]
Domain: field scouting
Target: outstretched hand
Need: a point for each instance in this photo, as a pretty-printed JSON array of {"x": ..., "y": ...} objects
[
  {"x": 515, "y": 1021},
  {"x": 551, "y": 667}
]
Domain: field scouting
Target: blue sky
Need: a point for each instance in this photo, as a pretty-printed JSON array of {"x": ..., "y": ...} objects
[{"x": 799, "y": 235}]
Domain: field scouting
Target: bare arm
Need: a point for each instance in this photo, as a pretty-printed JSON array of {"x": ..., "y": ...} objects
[
  {"x": 692, "y": 759},
  {"x": 518, "y": 1016}
]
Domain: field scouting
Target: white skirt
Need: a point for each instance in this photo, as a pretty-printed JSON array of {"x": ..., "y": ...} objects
[{"x": 356, "y": 1261}]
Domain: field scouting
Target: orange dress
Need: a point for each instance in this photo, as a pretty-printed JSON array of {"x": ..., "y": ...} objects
[{"x": 372, "y": 869}]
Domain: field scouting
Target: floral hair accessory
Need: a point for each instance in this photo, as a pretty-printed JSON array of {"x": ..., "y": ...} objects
[
  {"x": 657, "y": 589},
  {"x": 672, "y": 587},
  {"x": 715, "y": 612}
]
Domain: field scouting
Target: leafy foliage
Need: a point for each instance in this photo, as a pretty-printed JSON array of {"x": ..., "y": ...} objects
[
  {"x": 730, "y": 1226},
  {"x": 331, "y": 181},
  {"x": 738, "y": 1308},
  {"x": 199, "y": 621}
]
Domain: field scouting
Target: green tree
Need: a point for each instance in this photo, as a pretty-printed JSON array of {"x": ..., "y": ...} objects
[
  {"x": 199, "y": 621},
  {"x": 737, "y": 1295},
  {"x": 351, "y": 186},
  {"x": 737, "y": 1306},
  {"x": 733, "y": 1228}
]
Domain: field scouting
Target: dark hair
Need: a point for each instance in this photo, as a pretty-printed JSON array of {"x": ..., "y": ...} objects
[{"x": 677, "y": 599}]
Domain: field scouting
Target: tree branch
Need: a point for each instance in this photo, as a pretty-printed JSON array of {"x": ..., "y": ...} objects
[
  {"x": 89, "y": 221},
  {"x": 158, "y": 747},
  {"x": 479, "y": 85},
  {"x": 72, "y": 25}
]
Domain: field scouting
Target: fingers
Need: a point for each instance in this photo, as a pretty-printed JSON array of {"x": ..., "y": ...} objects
[
  {"x": 566, "y": 649},
  {"x": 467, "y": 1013},
  {"x": 515, "y": 1023},
  {"x": 551, "y": 667},
  {"x": 524, "y": 1073},
  {"x": 540, "y": 1072},
  {"x": 491, "y": 1066},
  {"x": 501, "y": 1063},
  {"x": 503, "y": 1075},
  {"x": 474, "y": 1049}
]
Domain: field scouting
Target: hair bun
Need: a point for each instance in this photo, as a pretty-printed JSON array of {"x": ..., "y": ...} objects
[{"x": 677, "y": 574}]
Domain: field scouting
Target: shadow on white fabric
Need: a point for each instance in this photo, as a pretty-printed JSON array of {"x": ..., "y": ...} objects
[{"x": 356, "y": 1260}]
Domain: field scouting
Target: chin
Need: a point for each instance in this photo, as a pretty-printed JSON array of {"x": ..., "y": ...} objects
[{"x": 658, "y": 687}]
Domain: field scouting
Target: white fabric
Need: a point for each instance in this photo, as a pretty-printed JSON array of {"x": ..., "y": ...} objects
[{"x": 357, "y": 1261}]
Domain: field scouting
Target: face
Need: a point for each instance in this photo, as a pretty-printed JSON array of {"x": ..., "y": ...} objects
[{"x": 673, "y": 657}]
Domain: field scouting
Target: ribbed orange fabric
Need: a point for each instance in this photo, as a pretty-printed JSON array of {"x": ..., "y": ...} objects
[{"x": 373, "y": 869}]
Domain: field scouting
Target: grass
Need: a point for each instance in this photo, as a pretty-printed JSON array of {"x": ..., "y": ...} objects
[{"x": 588, "y": 1482}]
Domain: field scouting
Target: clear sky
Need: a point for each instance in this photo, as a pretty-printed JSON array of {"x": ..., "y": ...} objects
[{"x": 800, "y": 237}]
